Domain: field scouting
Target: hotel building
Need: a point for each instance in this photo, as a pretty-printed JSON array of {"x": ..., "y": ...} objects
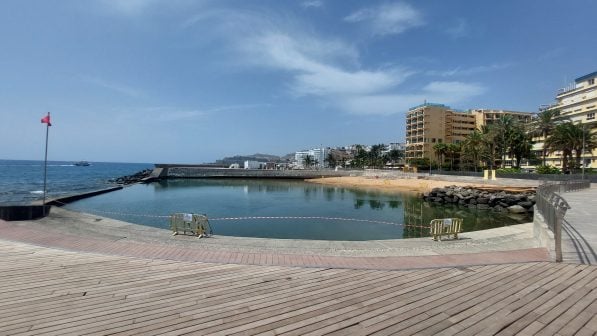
[
  {"x": 428, "y": 124},
  {"x": 577, "y": 103}
]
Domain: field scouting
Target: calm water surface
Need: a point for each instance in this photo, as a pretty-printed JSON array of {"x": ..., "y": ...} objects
[{"x": 403, "y": 214}]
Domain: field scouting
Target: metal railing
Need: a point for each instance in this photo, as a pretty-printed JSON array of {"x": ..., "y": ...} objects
[{"x": 553, "y": 206}]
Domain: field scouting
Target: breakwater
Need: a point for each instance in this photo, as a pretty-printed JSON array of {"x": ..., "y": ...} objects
[
  {"x": 164, "y": 171},
  {"x": 519, "y": 202}
]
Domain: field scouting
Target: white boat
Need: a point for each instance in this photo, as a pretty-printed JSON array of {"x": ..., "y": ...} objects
[{"x": 82, "y": 163}]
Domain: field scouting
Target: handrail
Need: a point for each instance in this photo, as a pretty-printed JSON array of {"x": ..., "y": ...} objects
[{"x": 553, "y": 206}]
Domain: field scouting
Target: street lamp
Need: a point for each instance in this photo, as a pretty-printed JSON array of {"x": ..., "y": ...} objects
[{"x": 582, "y": 156}]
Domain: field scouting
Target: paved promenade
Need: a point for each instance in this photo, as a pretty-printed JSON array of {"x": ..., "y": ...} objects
[
  {"x": 55, "y": 292},
  {"x": 579, "y": 236},
  {"x": 79, "y": 274}
]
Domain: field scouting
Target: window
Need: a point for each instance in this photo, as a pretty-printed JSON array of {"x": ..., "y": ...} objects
[
  {"x": 590, "y": 116},
  {"x": 433, "y": 140},
  {"x": 591, "y": 81}
]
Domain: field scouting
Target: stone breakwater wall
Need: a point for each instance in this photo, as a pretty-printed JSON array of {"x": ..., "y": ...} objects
[
  {"x": 483, "y": 200},
  {"x": 130, "y": 179}
]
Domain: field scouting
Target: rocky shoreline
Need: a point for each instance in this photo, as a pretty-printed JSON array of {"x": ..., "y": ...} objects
[
  {"x": 131, "y": 179},
  {"x": 500, "y": 201}
]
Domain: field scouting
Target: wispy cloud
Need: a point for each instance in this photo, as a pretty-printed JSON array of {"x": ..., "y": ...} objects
[
  {"x": 386, "y": 104},
  {"x": 459, "y": 71},
  {"x": 312, "y": 4},
  {"x": 128, "y": 7},
  {"x": 329, "y": 68},
  {"x": 458, "y": 29},
  {"x": 388, "y": 19},
  {"x": 180, "y": 114},
  {"x": 113, "y": 86},
  {"x": 306, "y": 58}
]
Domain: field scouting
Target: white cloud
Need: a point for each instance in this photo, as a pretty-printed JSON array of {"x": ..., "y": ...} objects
[
  {"x": 388, "y": 19},
  {"x": 128, "y": 7},
  {"x": 458, "y": 30},
  {"x": 441, "y": 92},
  {"x": 308, "y": 59},
  {"x": 312, "y": 4},
  {"x": 458, "y": 71},
  {"x": 113, "y": 86}
]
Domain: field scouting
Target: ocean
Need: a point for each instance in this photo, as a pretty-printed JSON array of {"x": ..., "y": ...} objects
[{"x": 21, "y": 181}]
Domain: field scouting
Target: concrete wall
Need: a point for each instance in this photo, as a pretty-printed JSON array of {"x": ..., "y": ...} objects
[
  {"x": 543, "y": 234},
  {"x": 198, "y": 172},
  {"x": 23, "y": 212}
]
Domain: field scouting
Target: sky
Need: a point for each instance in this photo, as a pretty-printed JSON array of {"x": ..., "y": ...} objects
[{"x": 182, "y": 81}]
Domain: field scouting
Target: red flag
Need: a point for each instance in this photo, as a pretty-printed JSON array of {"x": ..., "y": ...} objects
[{"x": 46, "y": 120}]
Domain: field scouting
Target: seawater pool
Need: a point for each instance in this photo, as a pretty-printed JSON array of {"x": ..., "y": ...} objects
[{"x": 344, "y": 213}]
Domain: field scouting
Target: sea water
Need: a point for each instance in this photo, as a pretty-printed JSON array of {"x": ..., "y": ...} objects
[
  {"x": 21, "y": 181},
  {"x": 291, "y": 209}
]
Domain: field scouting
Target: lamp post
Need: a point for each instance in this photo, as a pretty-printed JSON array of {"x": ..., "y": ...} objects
[{"x": 582, "y": 156}]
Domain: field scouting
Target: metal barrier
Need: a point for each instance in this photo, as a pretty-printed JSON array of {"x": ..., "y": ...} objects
[{"x": 553, "y": 206}]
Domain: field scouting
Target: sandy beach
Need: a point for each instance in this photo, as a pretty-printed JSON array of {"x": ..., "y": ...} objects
[{"x": 395, "y": 184}]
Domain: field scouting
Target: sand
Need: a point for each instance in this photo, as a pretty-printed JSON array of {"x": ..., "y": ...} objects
[{"x": 413, "y": 185}]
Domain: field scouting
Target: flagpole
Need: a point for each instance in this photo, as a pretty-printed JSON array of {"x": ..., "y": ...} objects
[{"x": 46, "y": 162}]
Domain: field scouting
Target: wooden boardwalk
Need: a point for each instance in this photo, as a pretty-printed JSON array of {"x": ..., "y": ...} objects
[{"x": 55, "y": 292}]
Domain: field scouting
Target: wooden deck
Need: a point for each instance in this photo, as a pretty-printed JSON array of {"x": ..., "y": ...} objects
[{"x": 53, "y": 292}]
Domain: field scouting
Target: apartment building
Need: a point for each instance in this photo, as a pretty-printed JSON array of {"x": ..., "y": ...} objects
[
  {"x": 578, "y": 103},
  {"x": 428, "y": 124},
  {"x": 490, "y": 116},
  {"x": 317, "y": 154}
]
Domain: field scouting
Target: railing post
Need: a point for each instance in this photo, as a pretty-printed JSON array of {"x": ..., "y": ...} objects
[{"x": 558, "y": 234}]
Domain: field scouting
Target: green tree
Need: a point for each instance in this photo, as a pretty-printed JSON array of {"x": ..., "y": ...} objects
[
  {"x": 561, "y": 139},
  {"x": 520, "y": 143},
  {"x": 375, "y": 158},
  {"x": 474, "y": 148},
  {"x": 331, "y": 160},
  {"x": 309, "y": 161},
  {"x": 543, "y": 126},
  {"x": 453, "y": 151},
  {"x": 440, "y": 150}
]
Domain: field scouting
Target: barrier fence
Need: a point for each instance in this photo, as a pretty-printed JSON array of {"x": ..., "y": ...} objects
[{"x": 553, "y": 206}]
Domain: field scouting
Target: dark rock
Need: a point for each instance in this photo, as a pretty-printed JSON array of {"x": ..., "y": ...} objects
[
  {"x": 526, "y": 204},
  {"x": 516, "y": 209},
  {"x": 483, "y": 206},
  {"x": 482, "y": 200}
]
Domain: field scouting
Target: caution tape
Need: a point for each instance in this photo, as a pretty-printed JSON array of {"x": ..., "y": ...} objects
[{"x": 93, "y": 211}]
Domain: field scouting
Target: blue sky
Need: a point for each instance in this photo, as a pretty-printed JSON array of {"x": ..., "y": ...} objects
[{"x": 193, "y": 81}]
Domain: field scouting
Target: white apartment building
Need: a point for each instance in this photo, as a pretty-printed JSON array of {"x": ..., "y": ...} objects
[{"x": 318, "y": 154}]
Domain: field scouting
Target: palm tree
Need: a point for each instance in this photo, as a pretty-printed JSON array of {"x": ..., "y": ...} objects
[
  {"x": 561, "y": 139},
  {"x": 520, "y": 143},
  {"x": 582, "y": 139},
  {"x": 473, "y": 147},
  {"x": 453, "y": 152},
  {"x": 440, "y": 151},
  {"x": 331, "y": 160},
  {"x": 308, "y": 161},
  {"x": 490, "y": 142},
  {"x": 544, "y": 125},
  {"x": 504, "y": 127}
]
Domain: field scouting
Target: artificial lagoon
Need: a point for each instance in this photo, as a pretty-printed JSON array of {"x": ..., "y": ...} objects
[{"x": 291, "y": 209}]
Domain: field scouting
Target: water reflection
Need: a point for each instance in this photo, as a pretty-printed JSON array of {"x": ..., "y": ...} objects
[{"x": 288, "y": 198}]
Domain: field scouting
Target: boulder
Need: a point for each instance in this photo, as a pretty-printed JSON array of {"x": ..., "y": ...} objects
[
  {"x": 516, "y": 209},
  {"x": 482, "y": 200},
  {"x": 526, "y": 204},
  {"x": 482, "y": 206}
]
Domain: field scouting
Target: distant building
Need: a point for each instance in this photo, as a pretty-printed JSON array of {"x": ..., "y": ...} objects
[
  {"x": 490, "y": 116},
  {"x": 317, "y": 154},
  {"x": 429, "y": 124},
  {"x": 578, "y": 103},
  {"x": 249, "y": 164}
]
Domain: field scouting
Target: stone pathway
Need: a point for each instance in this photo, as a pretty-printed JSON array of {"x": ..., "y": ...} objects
[{"x": 579, "y": 236}]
